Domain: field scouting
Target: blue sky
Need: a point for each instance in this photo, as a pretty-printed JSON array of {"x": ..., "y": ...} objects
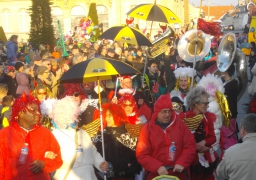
[{"x": 215, "y": 2}]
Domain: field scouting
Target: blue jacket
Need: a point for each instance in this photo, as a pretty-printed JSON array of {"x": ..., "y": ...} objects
[{"x": 12, "y": 49}]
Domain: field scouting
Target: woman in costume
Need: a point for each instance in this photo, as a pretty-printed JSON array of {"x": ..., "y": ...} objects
[
  {"x": 119, "y": 144},
  {"x": 214, "y": 86},
  {"x": 183, "y": 82},
  {"x": 42, "y": 92},
  {"x": 79, "y": 155},
  {"x": 128, "y": 104},
  {"x": 200, "y": 122}
]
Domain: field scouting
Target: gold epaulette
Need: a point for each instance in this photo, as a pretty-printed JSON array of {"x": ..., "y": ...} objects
[
  {"x": 193, "y": 123},
  {"x": 133, "y": 129},
  {"x": 92, "y": 128}
]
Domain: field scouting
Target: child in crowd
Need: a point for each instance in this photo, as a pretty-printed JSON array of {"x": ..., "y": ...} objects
[{"x": 6, "y": 111}]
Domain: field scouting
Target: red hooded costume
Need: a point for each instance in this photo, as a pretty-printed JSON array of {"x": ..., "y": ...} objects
[{"x": 153, "y": 144}]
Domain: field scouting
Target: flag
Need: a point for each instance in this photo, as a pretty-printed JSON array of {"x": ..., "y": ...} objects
[{"x": 212, "y": 28}]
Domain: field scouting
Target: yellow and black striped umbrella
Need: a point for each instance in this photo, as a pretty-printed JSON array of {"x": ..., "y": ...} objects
[
  {"x": 96, "y": 69},
  {"x": 126, "y": 34},
  {"x": 154, "y": 12}
]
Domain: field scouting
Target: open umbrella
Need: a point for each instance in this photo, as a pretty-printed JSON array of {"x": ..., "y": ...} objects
[
  {"x": 95, "y": 70},
  {"x": 126, "y": 34},
  {"x": 153, "y": 12}
]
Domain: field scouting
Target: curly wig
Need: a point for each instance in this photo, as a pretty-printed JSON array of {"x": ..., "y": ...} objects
[
  {"x": 194, "y": 96},
  {"x": 20, "y": 105},
  {"x": 117, "y": 112}
]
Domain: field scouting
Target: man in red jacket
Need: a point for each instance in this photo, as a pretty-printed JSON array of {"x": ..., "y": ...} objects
[
  {"x": 27, "y": 149},
  {"x": 156, "y": 138}
]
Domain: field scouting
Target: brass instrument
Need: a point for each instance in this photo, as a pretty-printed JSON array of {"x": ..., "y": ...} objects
[
  {"x": 187, "y": 45},
  {"x": 229, "y": 54},
  {"x": 61, "y": 42},
  {"x": 160, "y": 43}
]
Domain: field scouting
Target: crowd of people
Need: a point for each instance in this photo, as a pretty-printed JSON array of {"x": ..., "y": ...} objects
[{"x": 171, "y": 116}]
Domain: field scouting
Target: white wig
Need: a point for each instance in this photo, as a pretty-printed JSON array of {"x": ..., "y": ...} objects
[
  {"x": 184, "y": 72},
  {"x": 65, "y": 112}
]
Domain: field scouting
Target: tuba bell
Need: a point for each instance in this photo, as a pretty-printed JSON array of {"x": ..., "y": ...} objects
[
  {"x": 229, "y": 54},
  {"x": 187, "y": 44}
]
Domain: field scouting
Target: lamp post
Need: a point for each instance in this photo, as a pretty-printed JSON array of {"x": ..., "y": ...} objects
[{"x": 208, "y": 10}]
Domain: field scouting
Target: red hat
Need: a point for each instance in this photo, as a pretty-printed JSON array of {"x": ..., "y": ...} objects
[{"x": 163, "y": 102}]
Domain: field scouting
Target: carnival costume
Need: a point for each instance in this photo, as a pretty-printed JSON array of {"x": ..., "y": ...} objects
[
  {"x": 78, "y": 153},
  {"x": 218, "y": 104},
  {"x": 202, "y": 127},
  {"x": 119, "y": 145},
  {"x": 182, "y": 72},
  {"x": 39, "y": 139},
  {"x": 154, "y": 142}
]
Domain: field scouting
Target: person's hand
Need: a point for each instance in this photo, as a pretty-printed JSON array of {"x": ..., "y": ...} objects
[
  {"x": 37, "y": 166},
  {"x": 248, "y": 25},
  {"x": 104, "y": 166},
  {"x": 201, "y": 143},
  {"x": 200, "y": 147},
  {"x": 50, "y": 155},
  {"x": 162, "y": 170},
  {"x": 178, "y": 168},
  {"x": 114, "y": 100},
  {"x": 140, "y": 101}
]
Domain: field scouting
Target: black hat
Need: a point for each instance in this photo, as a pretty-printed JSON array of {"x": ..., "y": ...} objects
[
  {"x": 18, "y": 65},
  {"x": 20, "y": 54}
]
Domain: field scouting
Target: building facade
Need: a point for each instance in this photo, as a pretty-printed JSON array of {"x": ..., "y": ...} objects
[{"x": 15, "y": 17}]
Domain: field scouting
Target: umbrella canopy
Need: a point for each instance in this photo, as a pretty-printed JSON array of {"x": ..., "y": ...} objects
[
  {"x": 126, "y": 34},
  {"x": 96, "y": 69},
  {"x": 153, "y": 12}
]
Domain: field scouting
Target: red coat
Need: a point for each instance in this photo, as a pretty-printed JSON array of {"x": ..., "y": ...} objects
[
  {"x": 153, "y": 146},
  {"x": 40, "y": 140}
]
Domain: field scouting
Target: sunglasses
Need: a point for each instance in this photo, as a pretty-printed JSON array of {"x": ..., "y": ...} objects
[
  {"x": 76, "y": 94},
  {"x": 42, "y": 93},
  {"x": 205, "y": 103}
]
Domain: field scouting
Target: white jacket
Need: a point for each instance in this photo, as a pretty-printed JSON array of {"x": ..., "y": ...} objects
[{"x": 83, "y": 169}]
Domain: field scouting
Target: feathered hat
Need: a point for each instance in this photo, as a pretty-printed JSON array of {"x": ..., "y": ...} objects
[{"x": 211, "y": 83}]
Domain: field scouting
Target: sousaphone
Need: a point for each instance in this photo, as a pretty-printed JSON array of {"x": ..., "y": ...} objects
[
  {"x": 229, "y": 54},
  {"x": 187, "y": 45}
]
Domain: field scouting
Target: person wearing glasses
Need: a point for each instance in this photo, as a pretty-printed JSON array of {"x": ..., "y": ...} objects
[
  {"x": 156, "y": 138},
  {"x": 200, "y": 123},
  {"x": 42, "y": 76}
]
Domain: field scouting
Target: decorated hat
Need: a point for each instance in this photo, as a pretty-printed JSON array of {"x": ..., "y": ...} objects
[
  {"x": 184, "y": 72},
  {"x": 8, "y": 69}
]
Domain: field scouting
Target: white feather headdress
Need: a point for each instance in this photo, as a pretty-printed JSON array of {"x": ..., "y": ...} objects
[
  {"x": 184, "y": 72},
  {"x": 46, "y": 107},
  {"x": 211, "y": 83}
]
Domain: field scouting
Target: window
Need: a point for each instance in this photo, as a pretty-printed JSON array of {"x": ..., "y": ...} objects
[
  {"x": 6, "y": 20},
  {"x": 23, "y": 20},
  {"x": 77, "y": 13},
  {"x": 103, "y": 16}
]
